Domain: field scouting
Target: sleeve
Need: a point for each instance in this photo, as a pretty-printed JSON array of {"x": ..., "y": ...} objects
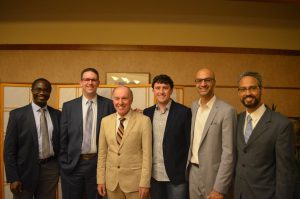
[
  {"x": 225, "y": 172},
  {"x": 102, "y": 149},
  {"x": 63, "y": 153},
  {"x": 11, "y": 149},
  {"x": 285, "y": 162},
  {"x": 147, "y": 154}
]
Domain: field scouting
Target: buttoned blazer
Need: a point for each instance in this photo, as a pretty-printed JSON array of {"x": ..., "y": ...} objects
[
  {"x": 176, "y": 140},
  {"x": 216, "y": 151},
  {"x": 72, "y": 129},
  {"x": 265, "y": 165},
  {"x": 21, "y": 149},
  {"x": 128, "y": 164}
]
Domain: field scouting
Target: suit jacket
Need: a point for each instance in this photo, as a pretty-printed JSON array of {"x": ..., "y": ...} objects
[
  {"x": 21, "y": 149},
  {"x": 72, "y": 130},
  {"x": 128, "y": 164},
  {"x": 265, "y": 165},
  {"x": 176, "y": 140},
  {"x": 216, "y": 151}
]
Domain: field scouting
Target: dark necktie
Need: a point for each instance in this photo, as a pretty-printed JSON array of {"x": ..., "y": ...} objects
[
  {"x": 44, "y": 133},
  {"x": 86, "y": 145},
  {"x": 120, "y": 131}
]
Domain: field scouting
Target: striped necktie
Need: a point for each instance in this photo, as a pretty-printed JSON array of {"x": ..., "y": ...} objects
[{"x": 120, "y": 131}]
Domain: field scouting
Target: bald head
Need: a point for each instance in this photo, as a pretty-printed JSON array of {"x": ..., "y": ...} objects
[
  {"x": 122, "y": 99},
  {"x": 206, "y": 71}
]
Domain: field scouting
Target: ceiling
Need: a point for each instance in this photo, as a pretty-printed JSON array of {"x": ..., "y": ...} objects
[{"x": 218, "y": 11}]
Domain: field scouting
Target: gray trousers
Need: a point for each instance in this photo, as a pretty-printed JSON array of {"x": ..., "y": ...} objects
[{"x": 48, "y": 179}]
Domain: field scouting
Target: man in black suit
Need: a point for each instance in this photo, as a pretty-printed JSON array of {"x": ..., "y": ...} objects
[
  {"x": 31, "y": 146},
  {"x": 80, "y": 124},
  {"x": 171, "y": 123},
  {"x": 265, "y": 146}
]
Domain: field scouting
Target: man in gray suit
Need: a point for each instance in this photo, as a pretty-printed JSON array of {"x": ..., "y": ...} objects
[
  {"x": 211, "y": 154},
  {"x": 265, "y": 147}
]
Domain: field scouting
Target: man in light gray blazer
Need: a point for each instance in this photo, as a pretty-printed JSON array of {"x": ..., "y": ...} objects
[
  {"x": 265, "y": 146},
  {"x": 211, "y": 154}
]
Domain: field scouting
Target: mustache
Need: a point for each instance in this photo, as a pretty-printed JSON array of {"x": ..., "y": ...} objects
[{"x": 248, "y": 96}]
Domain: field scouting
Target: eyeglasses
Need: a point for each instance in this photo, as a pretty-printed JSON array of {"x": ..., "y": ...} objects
[
  {"x": 88, "y": 80},
  {"x": 251, "y": 89},
  {"x": 206, "y": 80}
]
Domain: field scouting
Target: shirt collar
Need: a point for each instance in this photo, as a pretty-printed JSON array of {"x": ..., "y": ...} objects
[
  {"x": 37, "y": 108},
  {"x": 210, "y": 103},
  {"x": 167, "y": 106},
  {"x": 257, "y": 113},
  {"x": 85, "y": 100},
  {"x": 127, "y": 116}
]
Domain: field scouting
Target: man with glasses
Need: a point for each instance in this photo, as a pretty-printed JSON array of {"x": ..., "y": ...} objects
[
  {"x": 211, "y": 153},
  {"x": 265, "y": 146},
  {"x": 80, "y": 124},
  {"x": 31, "y": 146}
]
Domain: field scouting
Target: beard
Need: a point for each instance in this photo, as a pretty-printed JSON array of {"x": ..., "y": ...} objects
[{"x": 253, "y": 104}]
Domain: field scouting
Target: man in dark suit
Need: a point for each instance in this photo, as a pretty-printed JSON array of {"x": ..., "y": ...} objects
[
  {"x": 31, "y": 146},
  {"x": 265, "y": 147},
  {"x": 171, "y": 123},
  {"x": 80, "y": 124}
]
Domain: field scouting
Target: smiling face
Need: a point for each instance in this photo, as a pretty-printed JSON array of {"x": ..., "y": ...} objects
[
  {"x": 41, "y": 91},
  {"x": 205, "y": 83},
  {"x": 89, "y": 83},
  {"x": 250, "y": 93},
  {"x": 122, "y": 99},
  {"x": 162, "y": 93}
]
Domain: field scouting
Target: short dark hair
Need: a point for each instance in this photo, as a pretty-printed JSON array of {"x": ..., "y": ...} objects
[
  {"x": 256, "y": 75},
  {"x": 89, "y": 69},
  {"x": 163, "y": 79},
  {"x": 48, "y": 84}
]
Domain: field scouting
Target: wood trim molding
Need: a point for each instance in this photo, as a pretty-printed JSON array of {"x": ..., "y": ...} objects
[{"x": 104, "y": 47}]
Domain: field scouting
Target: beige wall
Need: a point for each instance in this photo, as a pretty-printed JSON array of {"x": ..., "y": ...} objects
[{"x": 280, "y": 73}]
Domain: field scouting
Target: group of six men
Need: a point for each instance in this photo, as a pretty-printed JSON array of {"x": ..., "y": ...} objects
[{"x": 103, "y": 148}]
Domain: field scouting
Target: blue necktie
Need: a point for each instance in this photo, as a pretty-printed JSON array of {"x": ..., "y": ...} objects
[{"x": 249, "y": 128}]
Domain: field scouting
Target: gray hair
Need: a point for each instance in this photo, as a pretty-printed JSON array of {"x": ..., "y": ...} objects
[{"x": 255, "y": 75}]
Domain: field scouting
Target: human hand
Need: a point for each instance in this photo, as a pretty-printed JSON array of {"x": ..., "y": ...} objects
[
  {"x": 16, "y": 187},
  {"x": 143, "y": 192},
  {"x": 215, "y": 195},
  {"x": 101, "y": 189}
]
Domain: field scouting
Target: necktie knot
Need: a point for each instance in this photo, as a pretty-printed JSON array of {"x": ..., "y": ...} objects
[
  {"x": 122, "y": 119},
  {"x": 249, "y": 128},
  {"x": 249, "y": 118}
]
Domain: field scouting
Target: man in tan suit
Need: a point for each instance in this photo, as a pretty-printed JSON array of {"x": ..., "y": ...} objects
[{"x": 125, "y": 151}]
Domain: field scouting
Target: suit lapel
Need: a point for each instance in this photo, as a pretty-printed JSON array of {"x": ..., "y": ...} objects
[
  {"x": 32, "y": 125},
  {"x": 130, "y": 125},
  {"x": 240, "y": 130},
  {"x": 100, "y": 113},
  {"x": 261, "y": 127},
  {"x": 209, "y": 120},
  {"x": 170, "y": 119},
  {"x": 195, "y": 107}
]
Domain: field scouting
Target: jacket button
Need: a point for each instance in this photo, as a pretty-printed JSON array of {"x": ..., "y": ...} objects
[
  {"x": 118, "y": 167},
  {"x": 243, "y": 165},
  {"x": 245, "y": 150},
  {"x": 119, "y": 154}
]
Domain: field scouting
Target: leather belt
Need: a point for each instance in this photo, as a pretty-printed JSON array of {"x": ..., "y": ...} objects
[
  {"x": 88, "y": 156},
  {"x": 44, "y": 161}
]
